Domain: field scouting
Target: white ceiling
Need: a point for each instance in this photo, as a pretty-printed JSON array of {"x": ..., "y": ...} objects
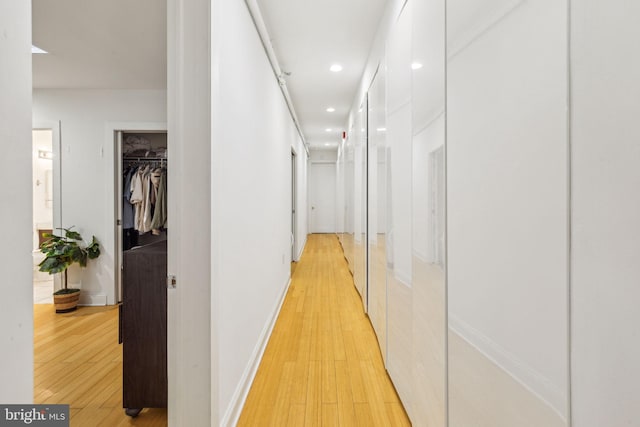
[
  {"x": 308, "y": 36},
  {"x": 100, "y": 44},
  {"x": 121, "y": 44}
]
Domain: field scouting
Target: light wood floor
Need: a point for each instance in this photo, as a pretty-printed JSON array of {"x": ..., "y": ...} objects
[
  {"x": 322, "y": 365},
  {"x": 78, "y": 361}
]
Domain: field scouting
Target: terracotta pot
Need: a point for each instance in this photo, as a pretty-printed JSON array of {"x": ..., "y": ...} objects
[{"x": 66, "y": 302}]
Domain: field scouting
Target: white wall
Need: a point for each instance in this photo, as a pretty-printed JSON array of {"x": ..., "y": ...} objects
[
  {"x": 251, "y": 179},
  {"x": 87, "y": 169},
  {"x": 322, "y": 156},
  {"x": 16, "y": 316},
  {"x": 605, "y": 210},
  {"x": 507, "y": 189}
]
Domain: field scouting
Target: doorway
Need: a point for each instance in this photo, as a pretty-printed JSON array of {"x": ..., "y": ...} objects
[
  {"x": 293, "y": 209},
  {"x": 137, "y": 152},
  {"x": 45, "y": 188},
  {"x": 322, "y": 185}
]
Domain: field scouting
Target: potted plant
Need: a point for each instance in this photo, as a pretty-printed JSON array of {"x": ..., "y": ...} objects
[{"x": 60, "y": 253}]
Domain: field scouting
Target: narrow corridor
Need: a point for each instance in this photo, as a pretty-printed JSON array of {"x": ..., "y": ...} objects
[{"x": 322, "y": 365}]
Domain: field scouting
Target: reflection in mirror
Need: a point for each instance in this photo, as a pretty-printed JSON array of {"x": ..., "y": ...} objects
[
  {"x": 340, "y": 194},
  {"x": 347, "y": 235},
  {"x": 428, "y": 205},
  {"x": 398, "y": 215},
  {"x": 359, "y": 203},
  {"x": 506, "y": 213},
  {"x": 377, "y": 206}
]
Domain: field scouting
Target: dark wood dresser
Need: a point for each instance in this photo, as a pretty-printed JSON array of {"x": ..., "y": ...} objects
[{"x": 143, "y": 328}]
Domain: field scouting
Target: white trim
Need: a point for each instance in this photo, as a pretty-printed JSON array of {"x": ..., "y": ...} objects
[
  {"x": 404, "y": 103},
  {"x": 429, "y": 122},
  {"x": 539, "y": 385},
  {"x": 55, "y": 127},
  {"x": 402, "y": 278},
  {"x": 239, "y": 398},
  {"x": 421, "y": 256},
  {"x": 315, "y": 162},
  {"x": 304, "y": 243},
  {"x": 92, "y": 299}
]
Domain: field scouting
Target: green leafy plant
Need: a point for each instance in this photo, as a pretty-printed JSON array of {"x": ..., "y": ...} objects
[{"x": 63, "y": 251}]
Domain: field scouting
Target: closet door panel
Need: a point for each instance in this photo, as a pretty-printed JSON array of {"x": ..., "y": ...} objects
[
  {"x": 507, "y": 213},
  {"x": 399, "y": 288},
  {"x": 348, "y": 200},
  {"x": 359, "y": 203},
  {"x": 605, "y": 238},
  {"x": 377, "y": 206},
  {"x": 428, "y": 214}
]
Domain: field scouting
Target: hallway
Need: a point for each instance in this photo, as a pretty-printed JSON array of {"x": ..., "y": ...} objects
[{"x": 322, "y": 365}]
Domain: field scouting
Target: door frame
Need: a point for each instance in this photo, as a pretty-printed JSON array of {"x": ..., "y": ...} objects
[
  {"x": 113, "y": 144},
  {"x": 55, "y": 128}
]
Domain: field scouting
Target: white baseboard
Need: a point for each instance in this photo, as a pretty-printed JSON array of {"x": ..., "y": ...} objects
[
  {"x": 232, "y": 414},
  {"x": 524, "y": 374},
  {"x": 299, "y": 255},
  {"x": 92, "y": 299}
]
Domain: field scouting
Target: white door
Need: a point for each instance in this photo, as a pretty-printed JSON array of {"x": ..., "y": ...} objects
[{"x": 322, "y": 197}]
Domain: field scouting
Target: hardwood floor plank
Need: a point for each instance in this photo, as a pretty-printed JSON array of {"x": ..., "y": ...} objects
[
  {"x": 283, "y": 399},
  {"x": 374, "y": 387},
  {"x": 364, "y": 417},
  {"x": 313, "y": 412},
  {"x": 346, "y": 412},
  {"x": 329, "y": 387},
  {"x": 330, "y": 415},
  {"x": 397, "y": 415},
  {"x": 296, "y": 415}
]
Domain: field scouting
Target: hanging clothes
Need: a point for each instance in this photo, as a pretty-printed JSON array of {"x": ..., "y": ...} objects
[
  {"x": 147, "y": 196},
  {"x": 138, "y": 197},
  {"x": 159, "y": 220},
  {"x": 128, "y": 210},
  {"x": 145, "y": 220}
]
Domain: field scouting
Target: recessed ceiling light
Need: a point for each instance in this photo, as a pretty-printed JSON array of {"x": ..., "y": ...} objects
[
  {"x": 381, "y": 129},
  {"x": 36, "y": 49},
  {"x": 327, "y": 144},
  {"x": 336, "y": 68},
  {"x": 416, "y": 66},
  {"x": 331, "y": 110},
  {"x": 328, "y": 129}
]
